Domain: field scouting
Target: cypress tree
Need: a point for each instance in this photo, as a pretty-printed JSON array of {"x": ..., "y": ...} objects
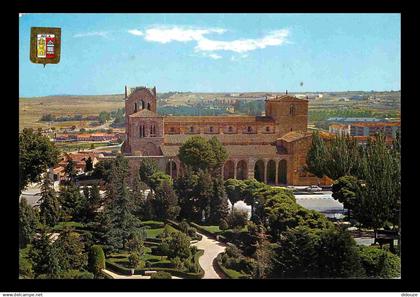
[{"x": 50, "y": 212}]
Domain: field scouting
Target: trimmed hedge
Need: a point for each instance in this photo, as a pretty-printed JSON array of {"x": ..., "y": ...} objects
[
  {"x": 229, "y": 273},
  {"x": 117, "y": 268},
  {"x": 96, "y": 259}
]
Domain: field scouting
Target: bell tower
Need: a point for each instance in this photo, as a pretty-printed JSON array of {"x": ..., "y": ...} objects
[{"x": 289, "y": 113}]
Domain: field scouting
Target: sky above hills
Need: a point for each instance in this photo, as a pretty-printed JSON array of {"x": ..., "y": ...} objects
[{"x": 101, "y": 53}]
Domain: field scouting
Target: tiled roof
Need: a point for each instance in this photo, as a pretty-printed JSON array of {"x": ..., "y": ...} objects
[
  {"x": 233, "y": 150},
  {"x": 293, "y": 136},
  {"x": 339, "y": 126},
  {"x": 224, "y": 138},
  {"x": 144, "y": 113}
]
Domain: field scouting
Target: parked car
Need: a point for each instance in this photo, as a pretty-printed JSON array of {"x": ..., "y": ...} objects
[{"x": 313, "y": 188}]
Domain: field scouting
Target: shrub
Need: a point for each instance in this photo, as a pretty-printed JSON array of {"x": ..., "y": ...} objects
[
  {"x": 75, "y": 274},
  {"x": 379, "y": 263},
  {"x": 161, "y": 275},
  {"x": 134, "y": 260},
  {"x": 223, "y": 225},
  {"x": 192, "y": 232},
  {"x": 25, "y": 267},
  {"x": 178, "y": 264},
  {"x": 237, "y": 219},
  {"x": 96, "y": 259},
  {"x": 183, "y": 226}
]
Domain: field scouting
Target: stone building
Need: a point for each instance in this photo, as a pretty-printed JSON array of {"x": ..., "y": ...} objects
[{"x": 271, "y": 148}]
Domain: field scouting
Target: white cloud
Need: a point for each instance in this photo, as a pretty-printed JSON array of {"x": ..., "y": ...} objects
[
  {"x": 275, "y": 38},
  {"x": 209, "y": 46},
  {"x": 164, "y": 34},
  {"x": 135, "y": 32},
  {"x": 89, "y": 34}
]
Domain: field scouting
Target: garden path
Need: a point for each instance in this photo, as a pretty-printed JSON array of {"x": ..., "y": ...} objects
[{"x": 211, "y": 249}]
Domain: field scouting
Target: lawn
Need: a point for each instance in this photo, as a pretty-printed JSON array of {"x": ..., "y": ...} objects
[{"x": 155, "y": 232}]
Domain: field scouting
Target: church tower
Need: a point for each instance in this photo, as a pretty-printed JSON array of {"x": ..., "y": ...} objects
[{"x": 289, "y": 113}]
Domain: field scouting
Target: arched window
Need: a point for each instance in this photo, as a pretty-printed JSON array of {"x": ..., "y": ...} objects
[
  {"x": 148, "y": 106},
  {"x": 267, "y": 129},
  {"x": 142, "y": 131},
  {"x": 249, "y": 129},
  {"x": 135, "y": 107},
  {"x": 292, "y": 110},
  {"x": 142, "y": 104}
]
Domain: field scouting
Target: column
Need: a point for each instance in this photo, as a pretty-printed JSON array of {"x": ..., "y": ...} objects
[
  {"x": 265, "y": 171},
  {"x": 251, "y": 165},
  {"x": 235, "y": 162},
  {"x": 277, "y": 172}
]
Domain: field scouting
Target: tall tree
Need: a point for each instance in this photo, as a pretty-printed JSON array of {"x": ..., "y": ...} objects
[
  {"x": 28, "y": 222},
  {"x": 71, "y": 250},
  {"x": 50, "y": 211},
  {"x": 219, "y": 206},
  {"x": 203, "y": 194},
  {"x": 147, "y": 168},
  {"x": 36, "y": 154},
  {"x": 44, "y": 256},
  {"x": 185, "y": 188},
  {"x": 70, "y": 170},
  {"x": 89, "y": 164},
  {"x": 72, "y": 202},
  {"x": 166, "y": 202}
]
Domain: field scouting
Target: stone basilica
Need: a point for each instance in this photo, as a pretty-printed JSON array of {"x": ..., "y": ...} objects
[{"x": 270, "y": 148}]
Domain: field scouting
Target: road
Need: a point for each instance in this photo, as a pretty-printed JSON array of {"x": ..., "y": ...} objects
[{"x": 211, "y": 249}]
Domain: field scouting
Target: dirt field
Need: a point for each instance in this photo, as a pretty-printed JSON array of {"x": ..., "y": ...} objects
[{"x": 32, "y": 109}]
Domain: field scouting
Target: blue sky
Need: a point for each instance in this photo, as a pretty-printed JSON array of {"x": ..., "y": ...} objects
[{"x": 214, "y": 53}]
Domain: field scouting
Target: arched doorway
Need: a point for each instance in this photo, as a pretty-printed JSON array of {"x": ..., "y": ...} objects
[
  {"x": 229, "y": 170},
  {"x": 271, "y": 172},
  {"x": 171, "y": 169},
  {"x": 259, "y": 170},
  {"x": 242, "y": 170},
  {"x": 283, "y": 172}
]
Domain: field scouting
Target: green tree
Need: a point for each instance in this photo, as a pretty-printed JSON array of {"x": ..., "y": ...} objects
[
  {"x": 36, "y": 154},
  {"x": 220, "y": 155},
  {"x": 72, "y": 202},
  {"x": 346, "y": 190},
  {"x": 92, "y": 202},
  {"x": 103, "y": 169},
  {"x": 338, "y": 255},
  {"x": 134, "y": 260},
  {"x": 198, "y": 153},
  {"x": 315, "y": 158},
  {"x": 165, "y": 204},
  {"x": 179, "y": 245},
  {"x": 379, "y": 263},
  {"x": 28, "y": 222},
  {"x": 50, "y": 212},
  {"x": 96, "y": 260},
  {"x": 147, "y": 168},
  {"x": 158, "y": 178},
  {"x": 89, "y": 165},
  {"x": 219, "y": 206},
  {"x": 203, "y": 193},
  {"x": 70, "y": 170},
  {"x": 185, "y": 186},
  {"x": 103, "y": 117},
  {"x": 122, "y": 222},
  {"x": 71, "y": 250},
  {"x": 44, "y": 256}
]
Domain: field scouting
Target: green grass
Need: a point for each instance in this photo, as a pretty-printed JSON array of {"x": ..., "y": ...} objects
[
  {"x": 79, "y": 145},
  {"x": 153, "y": 233}
]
